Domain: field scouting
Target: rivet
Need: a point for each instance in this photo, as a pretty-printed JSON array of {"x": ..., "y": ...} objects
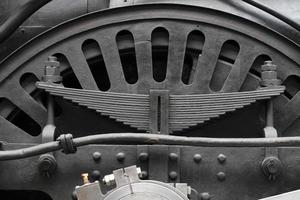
[
  {"x": 143, "y": 156},
  {"x": 173, "y": 156},
  {"x": 143, "y": 175},
  {"x": 197, "y": 158},
  {"x": 120, "y": 156},
  {"x": 205, "y": 196},
  {"x": 97, "y": 156},
  {"x": 95, "y": 175},
  {"x": 173, "y": 175},
  {"x": 221, "y": 158},
  {"x": 221, "y": 176}
]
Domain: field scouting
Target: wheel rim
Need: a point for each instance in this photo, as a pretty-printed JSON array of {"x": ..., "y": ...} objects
[{"x": 226, "y": 53}]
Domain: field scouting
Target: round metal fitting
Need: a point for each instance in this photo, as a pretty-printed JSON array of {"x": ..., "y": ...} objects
[
  {"x": 143, "y": 156},
  {"x": 221, "y": 176},
  {"x": 95, "y": 175},
  {"x": 197, "y": 158},
  {"x": 47, "y": 164},
  {"x": 97, "y": 156},
  {"x": 120, "y": 156},
  {"x": 143, "y": 175},
  {"x": 221, "y": 158},
  {"x": 271, "y": 167},
  {"x": 173, "y": 175},
  {"x": 173, "y": 156},
  {"x": 205, "y": 196}
]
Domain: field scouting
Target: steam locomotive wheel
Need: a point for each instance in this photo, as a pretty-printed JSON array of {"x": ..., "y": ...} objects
[{"x": 187, "y": 50}]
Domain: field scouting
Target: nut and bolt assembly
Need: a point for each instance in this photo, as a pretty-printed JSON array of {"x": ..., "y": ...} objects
[{"x": 271, "y": 166}]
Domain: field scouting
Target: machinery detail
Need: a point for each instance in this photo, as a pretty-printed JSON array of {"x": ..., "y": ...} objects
[{"x": 149, "y": 100}]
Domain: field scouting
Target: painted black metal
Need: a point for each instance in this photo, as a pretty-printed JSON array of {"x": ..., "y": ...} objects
[
  {"x": 160, "y": 33},
  {"x": 69, "y": 144},
  {"x": 242, "y": 167},
  {"x": 17, "y": 18},
  {"x": 280, "y": 16}
]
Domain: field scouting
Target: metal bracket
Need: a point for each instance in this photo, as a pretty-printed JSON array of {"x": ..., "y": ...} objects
[
  {"x": 271, "y": 165},
  {"x": 47, "y": 162},
  {"x": 159, "y": 112}
]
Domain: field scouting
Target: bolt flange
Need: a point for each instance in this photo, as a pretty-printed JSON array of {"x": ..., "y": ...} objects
[{"x": 271, "y": 167}]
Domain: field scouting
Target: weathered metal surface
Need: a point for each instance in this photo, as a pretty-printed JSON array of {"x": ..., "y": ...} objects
[
  {"x": 60, "y": 10},
  {"x": 203, "y": 52},
  {"x": 241, "y": 164},
  {"x": 136, "y": 109}
]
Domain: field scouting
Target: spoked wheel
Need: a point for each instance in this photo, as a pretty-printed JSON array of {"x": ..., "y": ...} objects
[{"x": 187, "y": 50}]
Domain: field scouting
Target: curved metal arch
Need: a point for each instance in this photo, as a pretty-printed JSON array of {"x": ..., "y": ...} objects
[
  {"x": 154, "y": 11},
  {"x": 30, "y": 57}
]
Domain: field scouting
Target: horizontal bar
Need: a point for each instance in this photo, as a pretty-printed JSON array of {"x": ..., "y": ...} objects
[{"x": 151, "y": 139}]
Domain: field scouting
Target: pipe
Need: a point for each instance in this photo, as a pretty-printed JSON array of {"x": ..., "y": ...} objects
[
  {"x": 25, "y": 11},
  {"x": 274, "y": 13},
  {"x": 150, "y": 139},
  {"x": 19, "y": 16}
]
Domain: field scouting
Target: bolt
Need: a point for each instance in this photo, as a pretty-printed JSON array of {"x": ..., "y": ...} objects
[
  {"x": 95, "y": 175},
  {"x": 173, "y": 156},
  {"x": 197, "y": 158},
  {"x": 120, "y": 156},
  {"x": 205, "y": 196},
  {"x": 173, "y": 175},
  {"x": 221, "y": 158},
  {"x": 271, "y": 167},
  {"x": 268, "y": 66},
  {"x": 269, "y": 74},
  {"x": 97, "y": 156},
  {"x": 52, "y": 71},
  {"x": 74, "y": 195},
  {"x": 143, "y": 156},
  {"x": 221, "y": 176},
  {"x": 143, "y": 175},
  {"x": 47, "y": 164}
]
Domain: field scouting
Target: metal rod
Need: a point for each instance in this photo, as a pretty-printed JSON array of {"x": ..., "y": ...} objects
[
  {"x": 50, "y": 110},
  {"x": 18, "y": 17},
  {"x": 269, "y": 113},
  {"x": 151, "y": 139}
]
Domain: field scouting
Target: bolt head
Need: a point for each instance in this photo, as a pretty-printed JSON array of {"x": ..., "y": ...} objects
[
  {"x": 173, "y": 175},
  {"x": 95, "y": 175},
  {"x": 221, "y": 176},
  {"x": 173, "y": 156},
  {"x": 271, "y": 166},
  {"x": 120, "y": 156},
  {"x": 143, "y": 156},
  {"x": 197, "y": 158},
  {"x": 52, "y": 71},
  {"x": 143, "y": 175},
  {"x": 97, "y": 156},
  {"x": 205, "y": 196},
  {"x": 221, "y": 158}
]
